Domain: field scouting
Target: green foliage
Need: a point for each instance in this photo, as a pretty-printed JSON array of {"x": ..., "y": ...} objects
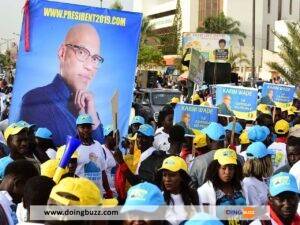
[
  {"x": 289, "y": 53},
  {"x": 171, "y": 40},
  {"x": 149, "y": 55},
  {"x": 117, "y": 5},
  {"x": 5, "y": 61},
  {"x": 238, "y": 59},
  {"x": 221, "y": 24}
]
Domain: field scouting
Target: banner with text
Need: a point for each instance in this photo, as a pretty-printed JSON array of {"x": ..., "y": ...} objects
[
  {"x": 195, "y": 116},
  {"x": 278, "y": 95},
  {"x": 236, "y": 101},
  {"x": 74, "y": 66}
]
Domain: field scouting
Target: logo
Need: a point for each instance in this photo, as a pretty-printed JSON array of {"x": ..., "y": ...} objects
[{"x": 249, "y": 213}]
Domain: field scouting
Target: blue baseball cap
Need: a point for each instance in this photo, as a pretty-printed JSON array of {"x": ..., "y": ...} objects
[
  {"x": 43, "y": 132},
  {"x": 143, "y": 194},
  {"x": 146, "y": 130},
  {"x": 138, "y": 119},
  {"x": 258, "y": 133},
  {"x": 282, "y": 182},
  {"x": 258, "y": 150},
  {"x": 238, "y": 127},
  {"x": 84, "y": 119},
  {"x": 107, "y": 130},
  {"x": 215, "y": 131},
  {"x": 203, "y": 219},
  {"x": 23, "y": 123}
]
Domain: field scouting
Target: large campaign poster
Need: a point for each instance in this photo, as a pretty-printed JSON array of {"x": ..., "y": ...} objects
[
  {"x": 213, "y": 47},
  {"x": 79, "y": 57},
  {"x": 195, "y": 116},
  {"x": 240, "y": 102},
  {"x": 278, "y": 95},
  {"x": 196, "y": 68}
]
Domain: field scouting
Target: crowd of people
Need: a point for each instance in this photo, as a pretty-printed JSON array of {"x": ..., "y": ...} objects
[{"x": 231, "y": 162}]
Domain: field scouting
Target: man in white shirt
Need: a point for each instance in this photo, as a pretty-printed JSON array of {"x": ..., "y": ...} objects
[
  {"x": 91, "y": 163},
  {"x": 15, "y": 177}
]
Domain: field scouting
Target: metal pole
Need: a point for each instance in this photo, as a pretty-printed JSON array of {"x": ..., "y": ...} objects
[
  {"x": 101, "y": 3},
  {"x": 253, "y": 44}
]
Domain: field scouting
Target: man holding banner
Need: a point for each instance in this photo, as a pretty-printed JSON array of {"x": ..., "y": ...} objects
[{"x": 57, "y": 104}]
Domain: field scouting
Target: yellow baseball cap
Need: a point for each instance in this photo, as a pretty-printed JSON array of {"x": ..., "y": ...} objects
[
  {"x": 290, "y": 112},
  {"x": 49, "y": 167},
  {"x": 225, "y": 156},
  {"x": 200, "y": 140},
  {"x": 174, "y": 164},
  {"x": 60, "y": 152},
  {"x": 175, "y": 100},
  {"x": 13, "y": 129},
  {"x": 244, "y": 138},
  {"x": 195, "y": 97},
  {"x": 83, "y": 189},
  {"x": 282, "y": 127},
  {"x": 263, "y": 108},
  {"x": 205, "y": 103}
]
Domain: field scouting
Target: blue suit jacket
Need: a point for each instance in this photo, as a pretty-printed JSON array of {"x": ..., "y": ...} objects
[{"x": 48, "y": 106}]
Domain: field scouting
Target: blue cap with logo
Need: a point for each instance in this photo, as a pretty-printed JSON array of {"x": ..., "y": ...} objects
[
  {"x": 146, "y": 130},
  {"x": 282, "y": 182},
  {"x": 107, "y": 130},
  {"x": 238, "y": 127},
  {"x": 84, "y": 119},
  {"x": 23, "y": 123},
  {"x": 143, "y": 194},
  {"x": 258, "y": 150},
  {"x": 215, "y": 131},
  {"x": 258, "y": 133},
  {"x": 43, "y": 132},
  {"x": 202, "y": 218},
  {"x": 138, "y": 119}
]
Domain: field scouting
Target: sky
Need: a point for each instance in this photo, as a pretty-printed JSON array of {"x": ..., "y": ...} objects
[{"x": 11, "y": 10}]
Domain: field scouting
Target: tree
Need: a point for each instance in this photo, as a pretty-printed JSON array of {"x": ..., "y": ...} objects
[
  {"x": 172, "y": 38},
  {"x": 238, "y": 59},
  {"x": 289, "y": 53},
  {"x": 221, "y": 24},
  {"x": 117, "y": 5},
  {"x": 149, "y": 54}
]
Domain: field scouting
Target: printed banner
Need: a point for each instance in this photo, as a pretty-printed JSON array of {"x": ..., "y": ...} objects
[
  {"x": 236, "y": 101},
  {"x": 213, "y": 47},
  {"x": 79, "y": 57},
  {"x": 194, "y": 116},
  {"x": 196, "y": 68},
  {"x": 278, "y": 95}
]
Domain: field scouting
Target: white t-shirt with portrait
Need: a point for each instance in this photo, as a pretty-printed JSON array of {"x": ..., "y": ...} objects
[
  {"x": 161, "y": 140},
  {"x": 91, "y": 163},
  {"x": 280, "y": 157}
]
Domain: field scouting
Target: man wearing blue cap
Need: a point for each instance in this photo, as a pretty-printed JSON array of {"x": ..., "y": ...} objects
[
  {"x": 143, "y": 198},
  {"x": 44, "y": 146},
  {"x": 91, "y": 162},
  {"x": 135, "y": 124},
  {"x": 283, "y": 201}
]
